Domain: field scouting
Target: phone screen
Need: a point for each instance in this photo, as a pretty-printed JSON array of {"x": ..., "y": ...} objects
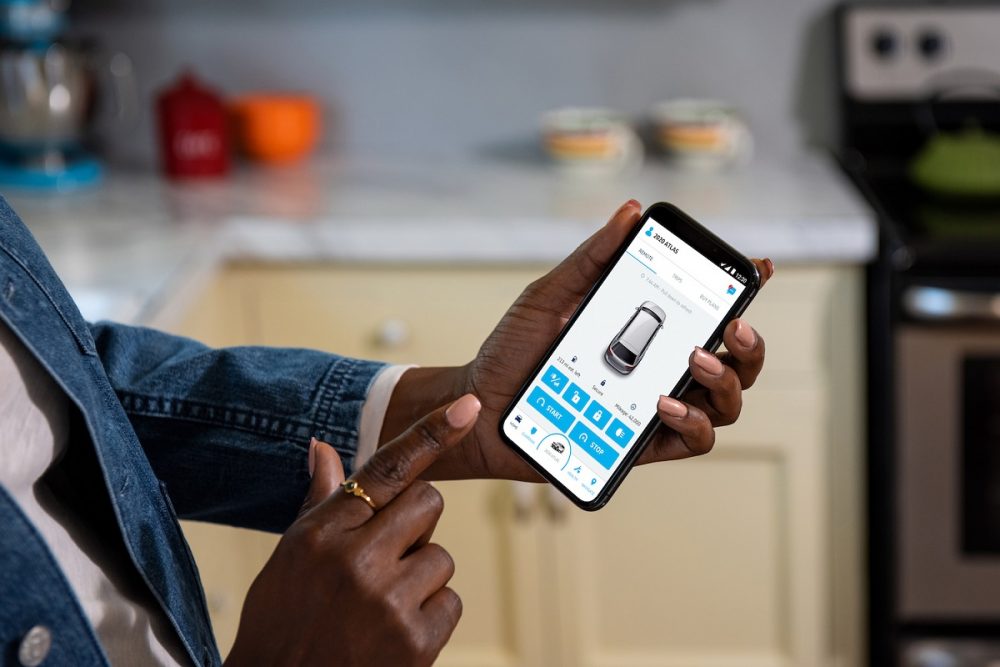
[{"x": 597, "y": 392}]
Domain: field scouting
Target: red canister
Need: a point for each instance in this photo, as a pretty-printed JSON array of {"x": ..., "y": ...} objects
[{"x": 194, "y": 137}]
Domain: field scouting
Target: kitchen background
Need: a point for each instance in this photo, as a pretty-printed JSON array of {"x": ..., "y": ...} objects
[{"x": 845, "y": 520}]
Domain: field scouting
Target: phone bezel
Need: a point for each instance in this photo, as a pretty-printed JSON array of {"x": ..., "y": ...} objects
[{"x": 708, "y": 245}]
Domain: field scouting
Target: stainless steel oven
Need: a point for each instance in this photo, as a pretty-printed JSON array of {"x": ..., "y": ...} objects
[
  {"x": 948, "y": 456},
  {"x": 911, "y": 75}
]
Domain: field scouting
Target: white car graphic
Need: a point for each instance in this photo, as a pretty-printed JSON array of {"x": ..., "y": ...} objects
[{"x": 627, "y": 348}]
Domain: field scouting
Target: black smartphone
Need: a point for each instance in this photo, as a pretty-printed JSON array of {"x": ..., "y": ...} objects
[{"x": 585, "y": 413}]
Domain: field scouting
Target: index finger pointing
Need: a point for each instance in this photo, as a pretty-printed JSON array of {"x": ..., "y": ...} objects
[{"x": 399, "y": 463}]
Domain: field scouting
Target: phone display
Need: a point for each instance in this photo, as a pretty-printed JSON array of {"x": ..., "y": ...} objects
[{"x": 585, "y": 413}]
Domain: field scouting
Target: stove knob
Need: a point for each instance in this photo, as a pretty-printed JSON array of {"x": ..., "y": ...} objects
[
  {"x": 884, "y": 44},
  {"x": 931, "y": 44}
]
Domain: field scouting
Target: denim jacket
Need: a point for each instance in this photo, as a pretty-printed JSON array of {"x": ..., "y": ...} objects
[{"x": 177, "y": 429}]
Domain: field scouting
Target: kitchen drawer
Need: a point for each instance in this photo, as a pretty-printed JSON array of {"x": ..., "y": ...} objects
[{"x": 431, "y": 316}]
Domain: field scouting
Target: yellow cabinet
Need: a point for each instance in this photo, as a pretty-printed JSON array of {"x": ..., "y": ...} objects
[{"x": 748, "y": 557}]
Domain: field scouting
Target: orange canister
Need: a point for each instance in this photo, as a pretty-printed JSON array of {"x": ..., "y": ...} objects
[{"x": 276, "y": 128}]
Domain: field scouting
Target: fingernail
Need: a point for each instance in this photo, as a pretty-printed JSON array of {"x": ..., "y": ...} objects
[
  {"x": 672, "y": 407},
  {"x": 312, "y": 456},
  {"x": 631, "y": 202},
  {"x": 708, "y": 362},
  {"x": 745, "y": 334},
  {"x": 461, "y": 413},
  {"x": 770, "y": 266}
]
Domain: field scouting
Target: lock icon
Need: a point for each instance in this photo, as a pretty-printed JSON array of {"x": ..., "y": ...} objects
[
  {"x": 576, "y": 397},
  {"x": 598, "y": 415}
]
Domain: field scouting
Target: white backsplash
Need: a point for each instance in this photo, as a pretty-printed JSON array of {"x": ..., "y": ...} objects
[{"x": 454, "y": 77}]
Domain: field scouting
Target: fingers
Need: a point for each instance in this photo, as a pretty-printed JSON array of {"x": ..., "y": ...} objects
[
  {"x": 396, "y": 465},
  {"x": 442, "y": 611},
  {"x": 693, "y": 434},
  {"x": 407, "y": 523},
  {"x": 327, "y": 474},
  {"x": 765, "y": 268},
  {"x": 564, "y": 286},
  {"x": 426, "y": 571},
  {"x": 720, "y": 394},
  {"x": 744, "y": 352}
]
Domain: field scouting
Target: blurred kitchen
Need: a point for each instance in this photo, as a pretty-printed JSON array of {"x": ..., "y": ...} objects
[{"x": 382, "y": 179}]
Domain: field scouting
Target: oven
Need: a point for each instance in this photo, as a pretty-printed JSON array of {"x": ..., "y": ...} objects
[
  {"x": 915, "y": 75},
  {"x": 948, "y": 466}
]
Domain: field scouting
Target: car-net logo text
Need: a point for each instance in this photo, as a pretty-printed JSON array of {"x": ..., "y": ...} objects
[{"x": 664, "y": 242}]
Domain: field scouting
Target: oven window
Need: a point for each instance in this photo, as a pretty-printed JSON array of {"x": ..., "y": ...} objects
[{"x": 981, "y": 455}]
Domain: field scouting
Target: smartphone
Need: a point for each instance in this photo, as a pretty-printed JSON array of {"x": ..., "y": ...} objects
[{"x": 587, "y": 411}]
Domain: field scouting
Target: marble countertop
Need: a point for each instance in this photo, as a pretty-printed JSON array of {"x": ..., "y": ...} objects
[{"x": 128, "y": 248}]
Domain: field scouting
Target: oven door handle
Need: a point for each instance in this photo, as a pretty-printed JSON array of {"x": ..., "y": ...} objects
[{"x": 939, "y": 304}]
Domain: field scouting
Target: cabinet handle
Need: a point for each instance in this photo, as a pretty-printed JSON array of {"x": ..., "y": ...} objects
[
  {"x": 557, "y": 503},
  {"x": 523, "y": 494},
  {"x": 392, "y": 334}
]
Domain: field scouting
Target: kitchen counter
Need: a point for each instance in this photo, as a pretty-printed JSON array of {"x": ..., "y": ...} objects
[{"x": 135, "y": 246}]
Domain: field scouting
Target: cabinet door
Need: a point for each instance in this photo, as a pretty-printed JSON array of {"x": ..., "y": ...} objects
[
  {"x": 428, "y": 316},
  {"x": 734, "y": 559}
]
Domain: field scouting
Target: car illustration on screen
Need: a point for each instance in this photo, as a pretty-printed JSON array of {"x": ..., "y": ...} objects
[{"x": 627, "y": 348}]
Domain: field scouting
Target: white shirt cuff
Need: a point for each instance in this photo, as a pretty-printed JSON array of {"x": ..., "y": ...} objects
[{"x": 373, "y": 411}]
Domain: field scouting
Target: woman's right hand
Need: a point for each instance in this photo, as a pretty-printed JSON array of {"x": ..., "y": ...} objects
[{"x": 348, "y": 585}]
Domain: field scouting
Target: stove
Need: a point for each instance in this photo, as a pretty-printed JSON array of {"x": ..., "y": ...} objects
[{"x": 920, "y": 82}]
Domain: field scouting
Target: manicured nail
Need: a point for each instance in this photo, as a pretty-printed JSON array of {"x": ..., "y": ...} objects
[
  {"x": 673, "y": 407},
  {"x": 770, "y": 266},
  {"x": 461, "y": 413},
  {"x": 708, "y": 362},
  {"x": 631, "y": 202},
  {"x": 745, "y": 334},
  {"x": 312, "y": 456}
]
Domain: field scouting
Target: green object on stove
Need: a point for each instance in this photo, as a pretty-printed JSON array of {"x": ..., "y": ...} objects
[{"x": 960, "y": 164}]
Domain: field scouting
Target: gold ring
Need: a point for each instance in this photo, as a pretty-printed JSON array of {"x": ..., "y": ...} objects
[{"x": 353, "y": 488}]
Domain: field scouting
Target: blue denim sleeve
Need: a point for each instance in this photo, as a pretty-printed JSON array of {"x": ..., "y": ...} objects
[{"x": 228, "y": 429}]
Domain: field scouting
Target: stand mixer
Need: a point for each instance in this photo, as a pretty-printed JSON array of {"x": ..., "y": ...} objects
[{"x": 48, "y": 98}]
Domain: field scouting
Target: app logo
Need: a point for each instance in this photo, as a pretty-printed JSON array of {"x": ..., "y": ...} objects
[
  {"x": 730, "y": 290},
  {"x": 649, "y": 232}
]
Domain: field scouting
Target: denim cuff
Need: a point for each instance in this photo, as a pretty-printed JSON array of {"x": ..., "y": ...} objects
[{"x": 341, "y": 395}]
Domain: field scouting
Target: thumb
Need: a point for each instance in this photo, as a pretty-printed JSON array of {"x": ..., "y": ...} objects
[
  {"x": 568, "y": 282},
  {"x": 327, "y": 473}
]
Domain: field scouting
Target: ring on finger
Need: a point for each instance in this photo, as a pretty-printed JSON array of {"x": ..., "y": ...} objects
[{"x": 351, "y": 487}]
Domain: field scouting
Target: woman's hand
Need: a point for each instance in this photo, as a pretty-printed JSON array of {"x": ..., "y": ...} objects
[
  {"x": 526, "y": 332},
  {"x": 349, "y": 585}
]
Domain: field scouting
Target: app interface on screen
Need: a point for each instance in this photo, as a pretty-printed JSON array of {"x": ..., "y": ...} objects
[{"x": 599, "y": 390}]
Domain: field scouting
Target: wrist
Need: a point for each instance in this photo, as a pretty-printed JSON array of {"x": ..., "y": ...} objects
[{"x": 418, "y": 392}]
